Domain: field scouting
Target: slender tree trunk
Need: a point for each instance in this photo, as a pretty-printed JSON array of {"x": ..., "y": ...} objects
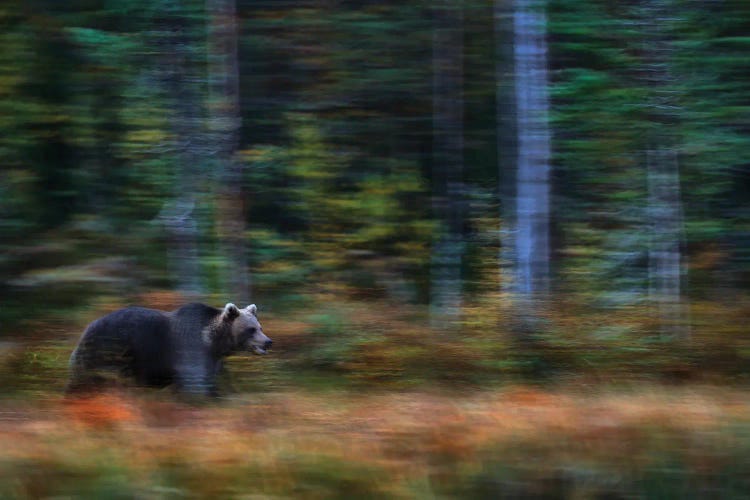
[
  {"x": 183, "y": 85},
  {"x": 532, "y": 200},
  {"x": 225, "y": 122},
  {"x": 506, "y": 142},
  {"x": 666, "y": 263},
  {"x": 447, "y": 162}
]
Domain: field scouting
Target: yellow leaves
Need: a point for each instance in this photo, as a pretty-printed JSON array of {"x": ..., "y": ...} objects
[
  {"x": 18, "y": 178},
  {"x": 147, "y": 136},
  {"x": 9, "y": 82},
  {"x": 257, "y": 154},
  {"x": 708, "y": 258},
  {"x": 277, "y": 266}
]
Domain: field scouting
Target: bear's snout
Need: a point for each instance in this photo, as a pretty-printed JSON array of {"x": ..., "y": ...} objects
[{"x": 260, "y": 343}]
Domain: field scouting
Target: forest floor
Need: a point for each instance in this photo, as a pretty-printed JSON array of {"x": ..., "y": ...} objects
[
  {"x": 352, "y": 403},
  {"x": 517, "y": 442}
]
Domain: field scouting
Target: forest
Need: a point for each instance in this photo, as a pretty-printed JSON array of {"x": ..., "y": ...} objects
[{"x": 502, "y": 246}]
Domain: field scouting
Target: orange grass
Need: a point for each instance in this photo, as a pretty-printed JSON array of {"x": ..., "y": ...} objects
[{"x": 406, "y": 436}]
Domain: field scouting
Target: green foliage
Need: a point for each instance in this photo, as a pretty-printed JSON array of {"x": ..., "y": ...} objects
[
  {"x": 338, "y": 224},
  {"x": 85, "y": 479},
  {"x": 664, "y": 471},
  {"x": 602, "y": 124},
  {"x": 27, "y": 371},
  {"x": 336, "y": 154}
]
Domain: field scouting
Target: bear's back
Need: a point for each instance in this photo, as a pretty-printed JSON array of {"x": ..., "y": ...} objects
[
  {"x": 196, "y": 313},
  {"x": 126, "y": 326},
  {"x": 133, "y": 341},
  {"x": 188, "y": 322}
]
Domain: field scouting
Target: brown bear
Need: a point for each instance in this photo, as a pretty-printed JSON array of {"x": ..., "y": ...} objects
[{"x": 184, "y": 348}]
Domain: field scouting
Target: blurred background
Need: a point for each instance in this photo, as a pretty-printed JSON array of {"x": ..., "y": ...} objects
[{"x": 502, "y": 248}]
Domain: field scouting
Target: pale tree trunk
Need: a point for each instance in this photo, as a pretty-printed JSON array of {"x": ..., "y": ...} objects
[
  {"x": 224, "y": 119},
  {"x": 505, "y": 128},
  {"x": 667, "y": 270},
  {"x": 532, "y": 198},
  {"x": 183, "y": 83},
  {"x": 447, "y": 163}
]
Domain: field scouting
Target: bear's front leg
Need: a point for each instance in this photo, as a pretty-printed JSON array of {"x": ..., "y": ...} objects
[{"x": 195, "y": 375}]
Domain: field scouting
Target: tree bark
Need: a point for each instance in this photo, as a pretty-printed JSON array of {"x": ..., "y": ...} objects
[
  {"x": 666, "y": 270},
  {"x": 225, "y": 123},
  {"x": 506, "y": 142},
  {"x": 447, "y": 162},
  {"x": 532, "y": 200},
  {"x": 182, "y": 83}
]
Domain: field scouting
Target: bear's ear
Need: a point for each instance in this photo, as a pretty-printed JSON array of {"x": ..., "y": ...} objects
[
  {"x": 252, "y": 309},
  {"x": 230, "y": 312}
]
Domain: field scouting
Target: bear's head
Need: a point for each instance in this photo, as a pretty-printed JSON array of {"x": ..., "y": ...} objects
[{"x": 246, "y": 331}]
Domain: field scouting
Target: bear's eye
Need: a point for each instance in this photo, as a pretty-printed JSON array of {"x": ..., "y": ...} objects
[{"x": 251, "y": 330}]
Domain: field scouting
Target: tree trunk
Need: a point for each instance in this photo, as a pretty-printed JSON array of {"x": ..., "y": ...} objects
[
  {"x": 225, "y": 122},
  {"x": 447, "y": 162},
  {"x": 182, "y": 83},
  {"x": 666, "y": 269},
  {"x": 531, "y": 245},
  {"x": 506, "y": 142}
]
